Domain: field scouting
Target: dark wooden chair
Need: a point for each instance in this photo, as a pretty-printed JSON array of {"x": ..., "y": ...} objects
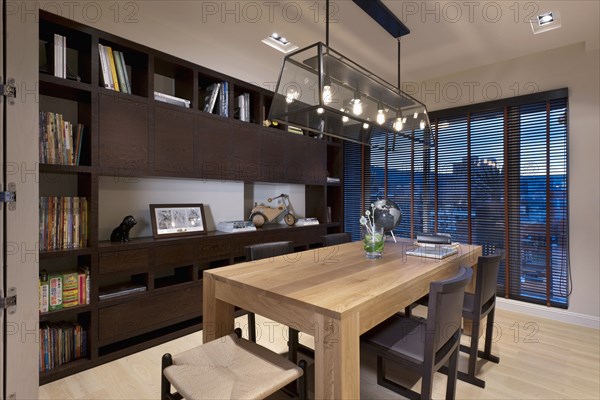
[
  {"x": 423, "y": 345},
  {"x": 229, "y": 368},
  {"x": 477, "y": 306},
  {"x": 336, "y": 238},
  {"x": 267, "y": 250}
]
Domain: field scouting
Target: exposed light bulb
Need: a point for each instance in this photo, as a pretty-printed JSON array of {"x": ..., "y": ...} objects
[
  {"x": 366, "y": 126},
  {"x": 327, "y": 94},
  {"x": 398, "y": 124},
  {"x": 380, "y": 117},
  {"x": 344, "y": 117},
  {"x": 422, "y": 124},
  {"x": 291, "y": 96},
  {"x": 415, "y": 115},
  {"x": 404, "y": 120},
  {"x": 320, "y": 110},
  {"x": 357, "y": 108}
]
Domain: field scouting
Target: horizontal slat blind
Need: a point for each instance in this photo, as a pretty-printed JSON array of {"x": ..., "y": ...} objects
[
  {"x": 352, "y": 188},
  {"x": 399, "y": 179}
]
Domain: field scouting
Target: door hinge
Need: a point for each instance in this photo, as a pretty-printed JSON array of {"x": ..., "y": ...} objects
[
  {"x": 8, "y": 89},
  {"x": 10, "y": 301},
  {"x": 9, "y": 196}
]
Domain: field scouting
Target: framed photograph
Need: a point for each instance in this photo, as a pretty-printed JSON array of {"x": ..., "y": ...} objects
[{"x": 171, "y": 220}]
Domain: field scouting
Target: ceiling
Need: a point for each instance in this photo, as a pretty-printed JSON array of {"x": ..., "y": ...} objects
[{"x": 446, "y": 36}]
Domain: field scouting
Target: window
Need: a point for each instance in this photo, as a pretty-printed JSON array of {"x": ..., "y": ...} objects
[{"x": 493, "y": 174}]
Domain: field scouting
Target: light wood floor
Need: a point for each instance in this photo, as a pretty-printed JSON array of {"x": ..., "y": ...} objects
[{"x": 539, "y": 359}]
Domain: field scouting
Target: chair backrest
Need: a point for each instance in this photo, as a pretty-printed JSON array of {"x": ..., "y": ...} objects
[
  {"x": 486, "y": 280},
  {"x": 444, "y": 314},
  {"x": 267, "y": 250},
  {"x": 336, "y": 238}
]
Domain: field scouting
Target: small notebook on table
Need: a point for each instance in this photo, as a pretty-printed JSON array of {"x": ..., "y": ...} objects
[{"x": 436, "y": 251}]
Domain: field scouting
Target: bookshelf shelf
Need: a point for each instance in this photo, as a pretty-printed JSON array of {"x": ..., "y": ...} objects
[{"x": 130, "y": 134}]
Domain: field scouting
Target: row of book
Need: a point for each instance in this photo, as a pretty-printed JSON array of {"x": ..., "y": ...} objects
[
  {"x": 216, "y": 98},
  {"x": 60, "y": 343},
  {"x": 63, "y": 223},
  {"x": 114, "y": 70},
  {"x": 64, "y": 289},
  {"x": 60, "y": 140},
  {"x": 166, "y": 98}
]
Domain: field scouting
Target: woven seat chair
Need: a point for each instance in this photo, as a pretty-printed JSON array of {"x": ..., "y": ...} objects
[
  {"x": 228, "y": 368},
  {"x": 424, "y": 346}
]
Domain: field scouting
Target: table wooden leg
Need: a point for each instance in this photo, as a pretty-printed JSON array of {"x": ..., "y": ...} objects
[
  {"x": 217, "y": 316},
  {"x": 337, "y": 358}
]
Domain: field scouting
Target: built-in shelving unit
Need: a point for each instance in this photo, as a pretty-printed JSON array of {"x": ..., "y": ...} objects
[{"x": 134, "y": 135}]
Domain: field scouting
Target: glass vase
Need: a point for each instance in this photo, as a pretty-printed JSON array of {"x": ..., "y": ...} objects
[{"x": 373, "y": 240}]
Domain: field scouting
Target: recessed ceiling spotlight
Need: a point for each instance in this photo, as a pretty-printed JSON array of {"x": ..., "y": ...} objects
[
  {"x": 279, "y": 42},
  {"x": 545, "y": 22}
]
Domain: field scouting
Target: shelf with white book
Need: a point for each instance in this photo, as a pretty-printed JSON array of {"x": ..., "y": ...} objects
[
  {"x": 121, "y": 68},
  {"x": 173, "y": 82},
  {"x": 246, "y": 104},
  {"x": 64, "y": 52},
  {"x": 213, "y": 93}
]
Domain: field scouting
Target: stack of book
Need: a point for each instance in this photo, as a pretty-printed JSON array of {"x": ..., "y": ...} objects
[
  {"x": 60, "y": 142},
  {"x": 216, "y": 98},
  {"x": 114, "y": 70},
  {"x": 307, "y": 221},
  {"x": 64, "y": 289},
  {"x": 236, "y": 226},
  {"x": 61, "y": 343},
  {"x": 165, "y": 98},
  {"x": 63, "y": 223}
]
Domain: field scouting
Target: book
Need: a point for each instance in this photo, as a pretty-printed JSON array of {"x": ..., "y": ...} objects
[
  {"x": 236, "y": 226},
  {"x": 120, "y": 73},
  {"x": 112, "y": 69},
  {"x": 333, "y": 180},
  {"x": 165, "y": 98},
  {"x": 59, "y": 56},
  {"x": 55, "y": 292},
  {"x": 125, "y": 74},
  {"x": 106, "y": 76},
  {"x": 44, "y": 291},
  {"x": 212, "y": 92}
]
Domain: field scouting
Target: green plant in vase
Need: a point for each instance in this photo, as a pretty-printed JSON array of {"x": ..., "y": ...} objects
[{"x": 372, "y": 234}]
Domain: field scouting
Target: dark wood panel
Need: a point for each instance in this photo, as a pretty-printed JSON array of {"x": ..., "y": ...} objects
[
  {"x": 245, "y": 155},
  {"x": 275, "y": 152},
  {"x": 214, "y": 145},
  {"x": 173, "y": 140},
  {"x": 174, "y": 255},
  {"x": 214, "y": 248},
  {"x": 123, "y": 133},
  {"x": 315, "y": 161},
  {"x": 123, "y": 321},
  {"x": 123, "y": 260}
]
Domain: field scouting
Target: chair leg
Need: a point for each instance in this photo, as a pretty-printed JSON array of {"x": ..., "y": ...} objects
[
  {"x": 473, "y": 351},
  {"x": 489, "y": 331},
  {"x": 303, "y": 381},
  {"x": 165, "y": 385},
  {"x": 452, "y": 374},
  {"x": 293, "y": 345},
  {"x": 391, "y": 385},
  {"x": 426, "y": 385},
  {"x": 408, "y": 311},
  {"x": 252, "y": 327}
]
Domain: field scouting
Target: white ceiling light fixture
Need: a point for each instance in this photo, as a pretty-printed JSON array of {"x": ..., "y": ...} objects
[
  {"x": 279, "y": 43},
  {"x": 545, "y": 22}
]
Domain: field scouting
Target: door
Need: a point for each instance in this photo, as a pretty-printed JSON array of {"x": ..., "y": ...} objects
[{"x": 18, "y": 235}]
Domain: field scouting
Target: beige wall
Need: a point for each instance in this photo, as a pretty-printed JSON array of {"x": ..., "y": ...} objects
[{"x": 578, "y": 70}]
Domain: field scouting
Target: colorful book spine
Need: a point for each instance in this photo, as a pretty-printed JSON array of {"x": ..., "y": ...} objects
[
  {"x": 113, "y": 68},
  {"x": 55, "y": 296}
]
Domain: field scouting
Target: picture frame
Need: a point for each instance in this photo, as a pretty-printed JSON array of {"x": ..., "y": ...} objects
[{"x": 175, "y": 220}]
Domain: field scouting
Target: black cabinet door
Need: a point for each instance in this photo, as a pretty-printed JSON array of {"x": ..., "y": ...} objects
[{"x": 173, "y": 140}]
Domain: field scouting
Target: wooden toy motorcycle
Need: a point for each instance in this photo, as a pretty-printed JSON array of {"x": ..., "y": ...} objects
[{"x": 262, "y": 214}]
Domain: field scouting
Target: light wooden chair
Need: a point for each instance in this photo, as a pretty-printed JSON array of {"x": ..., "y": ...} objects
[{"x": 228, "y": 368}]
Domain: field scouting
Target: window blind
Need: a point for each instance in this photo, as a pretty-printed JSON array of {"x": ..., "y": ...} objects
[{"x": 493, "y": 174}]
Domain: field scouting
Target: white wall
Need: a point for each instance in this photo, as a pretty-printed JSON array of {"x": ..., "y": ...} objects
[{"x": 578, "y": 70}]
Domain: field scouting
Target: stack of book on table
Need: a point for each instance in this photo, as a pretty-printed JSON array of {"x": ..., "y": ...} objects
[
  {"x": 235, "y": 226},
  {"x": 307, "y": 221}
]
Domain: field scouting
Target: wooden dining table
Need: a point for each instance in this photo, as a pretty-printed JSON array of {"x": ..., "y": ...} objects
[{"x": 333, "y": 293}]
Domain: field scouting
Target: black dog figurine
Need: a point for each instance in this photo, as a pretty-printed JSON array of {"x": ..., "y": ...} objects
[{"x": 121, "y": 232}]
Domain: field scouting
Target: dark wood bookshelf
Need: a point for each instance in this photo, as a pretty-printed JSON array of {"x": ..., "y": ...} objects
[{"x": 134, "y": 135}]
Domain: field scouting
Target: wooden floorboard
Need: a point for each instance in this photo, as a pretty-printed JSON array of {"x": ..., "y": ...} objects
[{"x": 539, "y": 359}]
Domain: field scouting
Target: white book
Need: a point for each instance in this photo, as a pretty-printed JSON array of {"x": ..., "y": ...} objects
[
  {"x": 106, "y": 75},
  {"x": 209, "y": 105},
  {"x": 57, "y": 55},
  {"x": 165, "y": 98},
  {"x": 307, "y": 221},
  {"x": 63, "y": 71}
]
